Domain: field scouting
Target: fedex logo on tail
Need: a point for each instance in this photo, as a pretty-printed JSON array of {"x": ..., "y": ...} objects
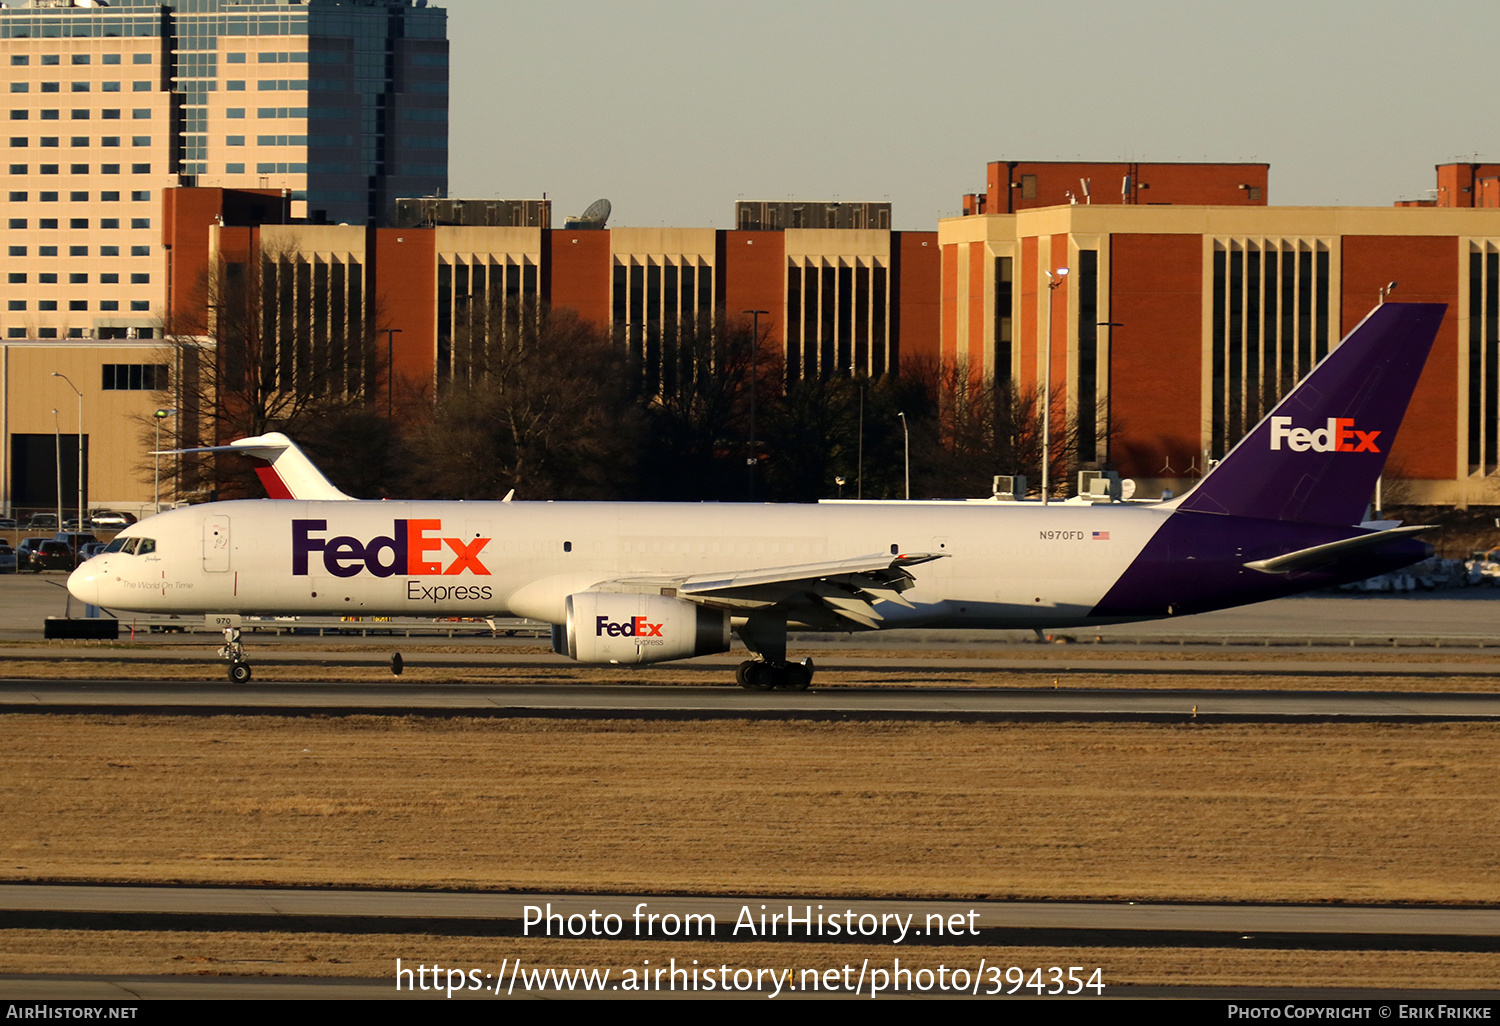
[
  {"x": 414, "y": 548},
  {"x": 1340, "y": 435}
]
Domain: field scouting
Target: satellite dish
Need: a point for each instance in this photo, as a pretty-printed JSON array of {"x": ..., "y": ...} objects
[
  {"x": 592, "y": 218},
  {"x": 599, "y": 210},
  {"x": 1127, "y": 489}
]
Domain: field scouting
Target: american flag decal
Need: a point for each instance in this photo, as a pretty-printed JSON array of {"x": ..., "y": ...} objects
[{"x": 1101, "y": 536}]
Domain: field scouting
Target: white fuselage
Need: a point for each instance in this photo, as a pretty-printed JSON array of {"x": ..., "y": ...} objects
[{"x": 1005, "y": 566}]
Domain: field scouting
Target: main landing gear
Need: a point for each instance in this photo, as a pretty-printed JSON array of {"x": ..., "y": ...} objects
[
  {"x": 234, "y": 653},
  {"x": 766, "y": 636},
  {"x": 761, "y": 675}
]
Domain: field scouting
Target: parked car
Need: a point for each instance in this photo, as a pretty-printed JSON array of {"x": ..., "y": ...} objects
[
  {"x": 74, "y": 540},
  {"x": 8, "y": 561},
  {"x": 88, "y": 552},
  {"x": 42, "y": 522},
  {"x": 111, "y": 519},
  {"x": 7, "y": 524},
  {"x": 24, "y": 551},
  {"x": 51, "y": 555}
]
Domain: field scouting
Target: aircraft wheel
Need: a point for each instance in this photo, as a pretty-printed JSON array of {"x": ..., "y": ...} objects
[
  {"x": 742, "y": 674},
  {"x": 797, "y": 677},
  {"x": 761, "y": 676},
  {"x": 239, "y": 672}
]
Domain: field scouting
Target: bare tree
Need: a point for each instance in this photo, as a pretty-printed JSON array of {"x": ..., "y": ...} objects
[
  {"x": 548, "y": 413},
  {"x": 279, "y": 342}
]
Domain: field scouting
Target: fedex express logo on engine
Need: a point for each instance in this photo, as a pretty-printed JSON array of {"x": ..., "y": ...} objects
[
  {"x": 635, "y": 627},
  {"x": 414, "y": 548},
  {"x": 1339, "y": 435}
]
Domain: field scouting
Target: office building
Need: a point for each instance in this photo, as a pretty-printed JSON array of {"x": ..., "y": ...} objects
[{"x": 337, "y": 105}]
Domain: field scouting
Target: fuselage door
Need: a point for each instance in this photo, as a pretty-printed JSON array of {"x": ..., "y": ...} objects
[{"x": 216, "y": 544}]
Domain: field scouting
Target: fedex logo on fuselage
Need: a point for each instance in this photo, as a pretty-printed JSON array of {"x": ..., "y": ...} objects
[
  {"x": 1339, "y": 435},
  {"x": 635, "y": 627},
  {"x": 412, "y": 549}
]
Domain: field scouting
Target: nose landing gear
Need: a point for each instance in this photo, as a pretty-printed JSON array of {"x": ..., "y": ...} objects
[{"x": 234, "y": 653}]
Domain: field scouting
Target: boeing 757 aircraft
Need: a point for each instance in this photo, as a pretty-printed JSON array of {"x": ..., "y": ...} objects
[{"x": 634, "y": 583}]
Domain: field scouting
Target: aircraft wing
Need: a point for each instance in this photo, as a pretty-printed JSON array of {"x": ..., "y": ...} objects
[{"x": 839, "y": 592}]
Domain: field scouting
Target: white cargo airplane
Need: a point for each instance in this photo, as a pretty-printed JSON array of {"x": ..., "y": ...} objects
[{"x": 634, "y": 583}]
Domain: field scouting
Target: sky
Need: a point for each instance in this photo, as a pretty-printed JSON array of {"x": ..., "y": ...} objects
[{"x": 675, "y": 109}]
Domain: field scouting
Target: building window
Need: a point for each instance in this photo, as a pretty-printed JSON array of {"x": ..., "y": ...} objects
[
  {"x": 51, "y": 87},
  {"x": 140, "y": 58},
  {"x": 141, "y": 196},
  {"x": 81, "y": 58},
  {"x": 49, "y": 169},
  {"x": 78, "y": 222},
  {"x": 113, "y": 251},
  {"x": 17, "y": 222},
  {"x": 234, "y": 169},
  {"x": 144, "y": 114},
  {"x": 17, "y": 251},
  {"x": 78, "y": 304},
  {"x": 109, "y": 197},
  {"x": 107, "y": 115},
  {"x": 136, "y": 140},
  {"x": 50, "y": 115},
  {"x": 109, "y": 279},
  {"x": 78, "y": 197},
  {"x": 110, "y": 58},
  {"x": 16, "y": 278},
  {"x": 140, "y": 169},
  {"x": 78, "y": 278},
  {"x": 20, "y": 87},
  {"x": 50, "y": 59},
  {"x": 109, "y": 169},
  {"x": 15, "y": 304},
  {"x": 135, "y": 377},
  {"x": 46, "y": 279},
  {"x": 234, "y": 140},
  {"x": 19, "y": 60},
  {"x": 20, "y": 169},
  {"x": 235, "y": 113},
  {"x": 78, "y": 169},
  {"x": 109, "y": 222},
  {"x": 109, "y": 304},
  {"x": 139, "y": 305},
  {"x": 108, "y": 87},
  {"x": 20, "y": 115},
  {"x": 140, "y": 222},
  {"x": 46, "y": 251},
  {"x": 80, "y": 115},
  {"x": 47, "y": 223},
  {"x": 78, "y": 251},
  {"x": 47, "y": 197},
  {"x": 19, "y": 197},
  {"x": 140, "y": 250},
  {"x": 140, "y": 279}
]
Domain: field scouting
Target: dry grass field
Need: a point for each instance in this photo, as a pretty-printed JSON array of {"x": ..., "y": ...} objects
[
  {"x": 1303, "y": 813},
  {"x": 1300, "y": 813}
]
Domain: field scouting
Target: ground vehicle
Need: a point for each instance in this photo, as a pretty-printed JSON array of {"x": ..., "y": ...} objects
[
  {"x": 42, "y": 522},
  {"x": 50, "y": 555},
  {"x": 110, "y": 519},
  {"x": 8, "y": 562},
  {"x": 75, "y": 540},
  {"x": 90, "y": 550}
]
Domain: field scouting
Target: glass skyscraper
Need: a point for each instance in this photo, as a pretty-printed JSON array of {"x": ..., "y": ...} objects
[{"x": 342, "y": 104}]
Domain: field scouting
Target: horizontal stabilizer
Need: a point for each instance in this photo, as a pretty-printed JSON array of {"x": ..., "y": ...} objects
[
  {"x": 1321, "y": 555},
  {"x": 283, "y": 468}
]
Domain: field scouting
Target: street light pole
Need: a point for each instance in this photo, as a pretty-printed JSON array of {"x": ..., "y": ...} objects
[
  {"x": 906, "y": 431},
  {"x": 76, "y": 392},
  {"x": 754, "y": 378},
  {"x": 159, "y": 415},
  {"x": 1053, "y": 281}
]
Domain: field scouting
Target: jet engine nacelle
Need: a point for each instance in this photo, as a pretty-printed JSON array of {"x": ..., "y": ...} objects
[{"x": 612, "y": 627}]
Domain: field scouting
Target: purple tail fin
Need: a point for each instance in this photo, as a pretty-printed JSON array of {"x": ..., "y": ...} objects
[{"x": 1315, "y": 459}]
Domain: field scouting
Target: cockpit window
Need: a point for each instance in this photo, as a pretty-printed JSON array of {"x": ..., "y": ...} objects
[
  {"x": 116, "y": 545},
  {"x": 146, "y": 547}
]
